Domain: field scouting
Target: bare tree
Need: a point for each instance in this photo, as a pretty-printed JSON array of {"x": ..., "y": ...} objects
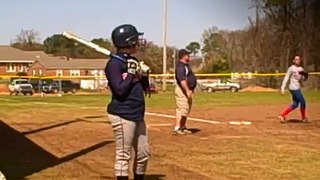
[
  {"x": 28, "y": 37},
  {"x": 28, "y": 40}
]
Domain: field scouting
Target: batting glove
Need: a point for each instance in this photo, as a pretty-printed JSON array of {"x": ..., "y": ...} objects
[
  {"x": 145, "y": 69},
  {"x": 133, "y": 66}
]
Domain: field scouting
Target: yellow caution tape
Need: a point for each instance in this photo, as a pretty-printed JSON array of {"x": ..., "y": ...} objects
[{"x": 153, "y": 75}]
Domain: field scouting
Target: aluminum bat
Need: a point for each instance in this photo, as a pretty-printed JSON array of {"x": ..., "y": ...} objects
[{"x": 144, "y": 68}]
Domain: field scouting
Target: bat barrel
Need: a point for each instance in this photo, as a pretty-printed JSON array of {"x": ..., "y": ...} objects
[{"x": 87, "y": 43}]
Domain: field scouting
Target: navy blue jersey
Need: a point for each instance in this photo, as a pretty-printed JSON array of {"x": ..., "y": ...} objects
[
  {"x": 184, "y": 72},
  {"x": 127, "y": 93}
]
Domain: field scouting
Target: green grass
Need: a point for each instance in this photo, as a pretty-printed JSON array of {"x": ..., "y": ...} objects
[
  {"x": 159, "y": 101},
  {"x": 162, "y": 100}
]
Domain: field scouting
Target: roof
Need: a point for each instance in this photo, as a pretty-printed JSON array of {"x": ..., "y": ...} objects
[
  {"x": 62, "y": 63},
  {"x": 36, "y": 54},
  {"x": 8, "y": 53}
]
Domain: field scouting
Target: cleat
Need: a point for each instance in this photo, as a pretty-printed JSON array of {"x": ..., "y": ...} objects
[
  {"x": 282, "y": 119},
  {"x": 305, "y": 120},
  {"x": 178, "y": 132},
  {"x": 186, "y": 131}
]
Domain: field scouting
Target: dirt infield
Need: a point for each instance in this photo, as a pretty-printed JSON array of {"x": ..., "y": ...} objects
[
  {"x": 62, "y": 143},
  {"x": 258, "y": 89}
]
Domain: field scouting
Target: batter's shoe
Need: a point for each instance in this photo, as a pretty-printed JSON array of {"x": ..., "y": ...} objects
[
  {"x": 122, "y": 178},
  {"x": 138, "y": 177},
  {"x": 282, "y": 119},
  {"x": 187, "y": 131},
  {"x": 178, "y": 132},
  {"x": 305, "y": 120}
]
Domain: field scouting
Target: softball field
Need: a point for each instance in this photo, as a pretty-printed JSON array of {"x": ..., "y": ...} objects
[{"x": 236, "y": 136}]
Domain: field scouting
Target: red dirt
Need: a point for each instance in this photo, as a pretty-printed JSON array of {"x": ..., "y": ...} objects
[
  {"x": 258, "y": 89},
  {"x": 174, "y": 157}
]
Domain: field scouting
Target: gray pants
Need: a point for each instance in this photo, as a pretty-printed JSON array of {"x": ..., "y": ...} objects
[{"x": 130, "y": 135}]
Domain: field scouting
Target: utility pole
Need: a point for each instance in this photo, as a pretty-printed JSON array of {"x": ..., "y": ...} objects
[
  {"x": 174, "y": 56},
  {"x": 164, "y": 72}
]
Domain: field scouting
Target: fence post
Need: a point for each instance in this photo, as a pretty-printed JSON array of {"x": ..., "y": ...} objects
[{"x": 59, "y": 93}]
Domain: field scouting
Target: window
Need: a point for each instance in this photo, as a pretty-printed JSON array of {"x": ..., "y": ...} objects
[
  {"x": 19, "y": 68},
  {"x": 22, "y": 82},
  {"x": 15, "y": 67},
  {"x": 74, "y": 72},
  {"x": 94, "y": 72},
  {"x": 23, "y": 68},
  {"x": 40, "y": 72},
  {"x": 11, "y": 67},
  {"x": 34, "y": 72},
  {"x": 59, "y": 72}
]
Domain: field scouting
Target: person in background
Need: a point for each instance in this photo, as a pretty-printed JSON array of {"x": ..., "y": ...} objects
[
  {"x": 186, "y": 82},
  {"x": 295, "y": 74}
]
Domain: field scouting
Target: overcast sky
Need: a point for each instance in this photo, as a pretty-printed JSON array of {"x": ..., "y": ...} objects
[{"x": 187, "y": 19}]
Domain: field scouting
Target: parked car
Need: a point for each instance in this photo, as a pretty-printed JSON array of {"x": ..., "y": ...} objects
[
  {"x": 21, "y": 86},
  {"x": 221, "y": 85},
  {"x": 66, "y": 86},
  {"x": 38, "y": 84}
]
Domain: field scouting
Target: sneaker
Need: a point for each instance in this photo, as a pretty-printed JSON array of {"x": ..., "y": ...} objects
[
  {"x": 305, "y": 120},
  {"x": 177, "y": 132},
  {"x": 282, "y": 119},
  {"x": 186, "y": 130}
]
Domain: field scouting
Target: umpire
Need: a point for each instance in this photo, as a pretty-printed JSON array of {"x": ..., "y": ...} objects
[{"x": 186, "y": 82}]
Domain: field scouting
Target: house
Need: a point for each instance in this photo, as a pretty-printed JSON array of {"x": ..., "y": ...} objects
[
  {"x": 13, "y": 60},
  {"x": 74, "y": 69},
  {"x": 38, "y": 63},
  {"x": 62, "y": 66}
]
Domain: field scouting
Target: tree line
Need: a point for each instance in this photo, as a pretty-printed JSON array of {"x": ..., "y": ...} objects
[
  {"x": 57, "y": 45},
  {"x": 280, "y": 29}
]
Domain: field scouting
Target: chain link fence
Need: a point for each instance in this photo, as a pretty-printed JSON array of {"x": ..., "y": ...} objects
[{"x": 206, "y": 82}]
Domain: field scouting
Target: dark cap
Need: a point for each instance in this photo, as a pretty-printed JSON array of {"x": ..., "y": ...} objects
[{"x": 183, "y": 52}]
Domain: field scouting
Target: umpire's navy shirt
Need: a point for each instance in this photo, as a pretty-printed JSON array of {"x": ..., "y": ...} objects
[
  {"x": 127, "y": 94},
  {"x": 184, "y": 72}
]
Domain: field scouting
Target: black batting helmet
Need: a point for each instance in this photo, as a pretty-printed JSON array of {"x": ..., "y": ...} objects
[{"x": 125, "y": 35}]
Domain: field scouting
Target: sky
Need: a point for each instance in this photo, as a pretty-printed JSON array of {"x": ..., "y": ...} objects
[{"x": 187, "y": 19}]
